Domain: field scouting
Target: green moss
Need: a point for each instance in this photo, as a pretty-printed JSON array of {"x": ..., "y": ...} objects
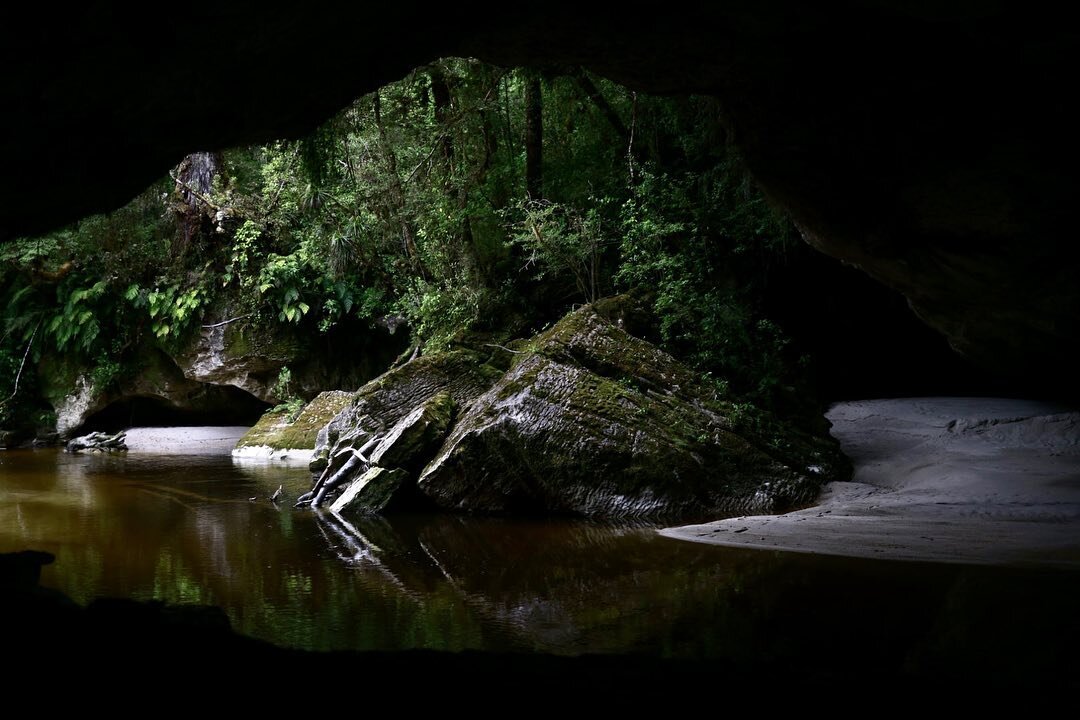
[
  {"x": 273, "y": 344},
  {"x": 592, "y": 419},
  {"x": 58, "y": 376},
  {"x": 236, "y": 342},
  {"x": 413, "y": 440},
  {"x": 274, "y": 430},
  {"x": 154, "y": 371},
  {"x": 442, "y": 368}
]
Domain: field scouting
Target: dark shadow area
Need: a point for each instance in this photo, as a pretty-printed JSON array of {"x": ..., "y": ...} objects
[
  {"x": 865, "y": 341},
  {"x": 59, "y": 643},
  {"x": 229, "y": 406}
]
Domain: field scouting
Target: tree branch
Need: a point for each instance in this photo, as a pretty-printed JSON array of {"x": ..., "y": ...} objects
[
  {"x": 587, "y": 86},
  {"x": 516, "y": 352},
  {"x": 436, "y": 146},
  {"x": 226, "y": 322},
  {"x": 18, "y": 375},
  {"x": 630, "y": 139},
  {"x": 195, "y": 193}
]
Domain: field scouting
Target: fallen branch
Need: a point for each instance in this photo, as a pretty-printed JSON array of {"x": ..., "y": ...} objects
[
  {"x": 501, "y": 347},
  {"x": 347, "y": 470},
  {"x": 226, "y": 322},
  {"x": 336, "y": 473},
  {"x": 98, "y": 442}
]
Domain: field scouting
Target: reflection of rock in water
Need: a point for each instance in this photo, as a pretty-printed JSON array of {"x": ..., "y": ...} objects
[
  {"x": 560, "y": 586},
  {"x": 555, "y": 586},
  {"x": 371, "y": 544}
]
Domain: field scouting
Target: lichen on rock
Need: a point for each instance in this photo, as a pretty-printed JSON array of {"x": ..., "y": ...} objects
[{"x": 73, "y": 409}]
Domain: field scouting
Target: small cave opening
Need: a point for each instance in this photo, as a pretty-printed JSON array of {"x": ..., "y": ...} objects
[{"x": 218, "y": 405}]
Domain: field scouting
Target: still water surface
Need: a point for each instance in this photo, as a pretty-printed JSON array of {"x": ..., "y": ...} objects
[{"x": 184, "y": 529}]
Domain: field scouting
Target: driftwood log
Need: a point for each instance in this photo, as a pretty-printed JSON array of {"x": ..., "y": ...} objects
[{"x": 98, "y": 442}]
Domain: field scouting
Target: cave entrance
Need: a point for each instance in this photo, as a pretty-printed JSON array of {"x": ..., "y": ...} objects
[{"x": 219, "y": 405}]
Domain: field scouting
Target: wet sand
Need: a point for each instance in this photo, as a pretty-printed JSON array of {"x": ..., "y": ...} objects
[
  {"x": 203, "y": 440},
  {"x": 964, "y": 480}
]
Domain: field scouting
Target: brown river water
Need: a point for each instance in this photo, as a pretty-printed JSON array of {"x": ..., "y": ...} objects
[{"x": 185, "y": 529}]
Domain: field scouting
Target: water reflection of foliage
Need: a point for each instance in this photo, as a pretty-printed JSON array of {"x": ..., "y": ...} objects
[{"x": 187, "y": 533}]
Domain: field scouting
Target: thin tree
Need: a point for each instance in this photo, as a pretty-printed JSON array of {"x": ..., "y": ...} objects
[{"x": 534, "y": 136}]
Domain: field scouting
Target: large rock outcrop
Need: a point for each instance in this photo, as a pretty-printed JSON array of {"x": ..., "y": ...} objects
[
  {"x": 227, "y": 373},
  {"x": 155, "y": 392},
  {"x": 593, "y": 421},
  {"x": 588, "y": 420},
  {"x": 399, "y": 418},
  {"x": 228, "y": 351},
  {"x": 377, "y": 491},
  {"x": 382, "y": 403},
  {"x": 930, "y": 144},
  {"x": 223, "y": 354}
]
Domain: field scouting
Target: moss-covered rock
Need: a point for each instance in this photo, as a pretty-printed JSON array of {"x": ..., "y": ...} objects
[
  {"x": 274, "y": 429},
  {"x": 154, "y": 380},
  {"x": 378, "y": 490},
  {"x": 400, "y": 418},
  {"x": 587, "y": 419},
  {"x": 386, "y": 400},
  {"x": 251, "y": 356},
  {"x": 248, "y": 358},
  {"x": 591, "y": 420},
  {"x": 75, "y": 396},
  {"x": 416, "y": 436}
]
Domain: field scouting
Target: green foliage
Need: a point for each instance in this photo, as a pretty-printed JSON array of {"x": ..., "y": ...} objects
[
  {"x": 700, "y": 243},
  {"x": 81, "y": 287},
  {"x": 442, "y": 313},
  {"x": 33, "y": 252},
  {"x": 282, "y": 276},
  {"x": 283, "y": 386},
  {"x": 558, "y": 238},
  {"x": 106, "y": 372},
  {"x": 291, "y": 404},
  {"x": 173, "y": 309},
  {"x": 244, "y": 247},
  {"x": 290, "y": 408},
  {"x": 411, "y": 205},
  {"x": 75, "y": 324}
]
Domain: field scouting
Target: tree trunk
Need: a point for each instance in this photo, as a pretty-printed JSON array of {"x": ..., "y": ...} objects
[
  {"x": 442, "y": 101},
  {"x": 534, "y": 136},
  {"x": 588, "y": 87},
  {"x": 194, "y": 179},
  {"x": 397, "y": 192}
]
